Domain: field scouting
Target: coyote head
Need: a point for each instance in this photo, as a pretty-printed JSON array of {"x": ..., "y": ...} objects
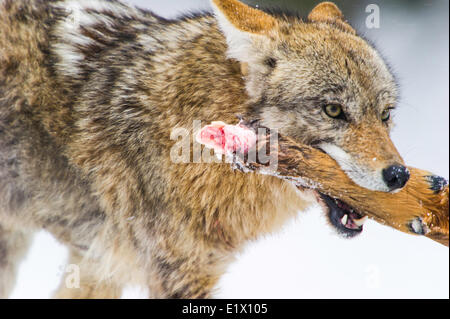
[{"x": 319, "y": 82}]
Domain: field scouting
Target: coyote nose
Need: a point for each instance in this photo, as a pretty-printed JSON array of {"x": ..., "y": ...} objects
[{"x": 395, "y": 176}]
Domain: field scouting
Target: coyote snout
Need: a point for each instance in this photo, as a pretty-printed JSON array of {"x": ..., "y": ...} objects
[{"x": 370, "y": 159}]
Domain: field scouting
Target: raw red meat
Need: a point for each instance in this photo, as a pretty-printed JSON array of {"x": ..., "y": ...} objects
[{"x": 227, "y": 139}]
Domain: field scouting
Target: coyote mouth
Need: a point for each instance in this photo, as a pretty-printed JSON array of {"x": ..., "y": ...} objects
[
  {"x": 225, "y": 138},
  {"x": 347, "y": 221}
]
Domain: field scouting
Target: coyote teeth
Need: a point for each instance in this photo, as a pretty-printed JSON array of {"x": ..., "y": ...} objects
[
  {"x": 360, "y": 222},
  {"x": 344, "y": 220}
]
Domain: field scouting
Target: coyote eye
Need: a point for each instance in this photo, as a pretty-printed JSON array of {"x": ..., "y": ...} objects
[
  {"x": 334, "y": 111},
  {"x": 386, "y": 115}
]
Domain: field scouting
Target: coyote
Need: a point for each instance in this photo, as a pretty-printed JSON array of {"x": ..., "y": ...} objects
[{"x": 89, "y": 92}]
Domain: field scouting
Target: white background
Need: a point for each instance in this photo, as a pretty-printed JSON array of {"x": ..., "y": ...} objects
[{"x": 306, "y": 259}]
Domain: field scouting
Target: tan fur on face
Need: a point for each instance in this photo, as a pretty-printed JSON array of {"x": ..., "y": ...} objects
[
  {"x": 320, "y": 63},
  {"x": 373, "y": 146}
]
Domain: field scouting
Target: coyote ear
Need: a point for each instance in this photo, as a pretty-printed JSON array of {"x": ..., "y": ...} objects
[
  {"x": 328, "y": 12},
  {"x": 241, "y": 25}
]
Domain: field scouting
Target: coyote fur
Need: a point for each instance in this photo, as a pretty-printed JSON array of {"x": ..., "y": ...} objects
[{"x": 89, "y": 92}]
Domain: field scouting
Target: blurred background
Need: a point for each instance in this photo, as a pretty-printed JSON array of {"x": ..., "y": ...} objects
[{"x": 306, "y": 259}]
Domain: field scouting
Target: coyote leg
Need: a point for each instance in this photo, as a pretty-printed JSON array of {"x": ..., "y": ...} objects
[
  {"x": 89, "y": 286},
  {"x": 14, "y": 245}
]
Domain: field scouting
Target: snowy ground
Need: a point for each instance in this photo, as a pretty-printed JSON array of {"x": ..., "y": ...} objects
[{"x": 306, "y": 260}]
